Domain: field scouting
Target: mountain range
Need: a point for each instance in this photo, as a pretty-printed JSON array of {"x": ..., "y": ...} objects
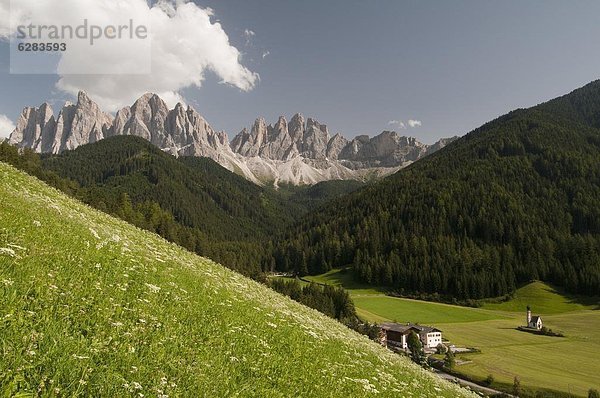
[{"x": 298, "y": 152}]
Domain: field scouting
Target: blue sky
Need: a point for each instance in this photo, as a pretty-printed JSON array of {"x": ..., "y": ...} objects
[{"x": 356, "y": 65}]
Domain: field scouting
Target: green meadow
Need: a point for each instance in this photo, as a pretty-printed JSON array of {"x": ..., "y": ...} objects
[
  {"x": 91, "y": 306},
  {"x": 415, "y": 311},
  {"x": 570, "y": 364}
]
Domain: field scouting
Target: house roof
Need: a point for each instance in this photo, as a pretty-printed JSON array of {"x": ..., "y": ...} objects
[
  {"x": 407, "y": 327},
  {"x": 535, "y": 319}
]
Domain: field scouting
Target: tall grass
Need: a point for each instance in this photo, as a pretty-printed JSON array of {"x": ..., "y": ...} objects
[{"x": 91, "y": 306}]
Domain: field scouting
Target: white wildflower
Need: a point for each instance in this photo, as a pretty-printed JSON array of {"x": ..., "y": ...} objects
[
  {"x": 94, "y": 233},
  {"x": 6, "y": 251},
  {"x": 153, "y": 288},
  {"x": 37, "y": 223}
]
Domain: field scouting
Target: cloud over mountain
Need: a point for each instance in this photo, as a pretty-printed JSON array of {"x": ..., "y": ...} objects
[
  {"x": 6, "y": 126},
  {"x": 185, "y": 44}
]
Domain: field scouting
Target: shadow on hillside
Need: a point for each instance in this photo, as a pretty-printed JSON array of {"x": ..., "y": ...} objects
[
  {"x": 588, "y": 301},
  {"x": 343, "y": 277}
]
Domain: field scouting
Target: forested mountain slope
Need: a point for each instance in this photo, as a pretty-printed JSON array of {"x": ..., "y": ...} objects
[
  {"x": 514, "y": 200},
  {"x": 93, "y": 306},
  {"x": 197, "y": 192}
]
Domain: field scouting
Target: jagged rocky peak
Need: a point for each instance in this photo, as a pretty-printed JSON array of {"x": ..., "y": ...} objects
[
  {"x": 296, "y": 127},
  {"x": 30, "y": 126},
  {"x": 336, "y": 144},
  {"x": 88, "y": 123},
  {"x": 249, "y": 143},
  {"x": 315, "y": 140},
  {"x": 75, "y": 125},
  {"x": 145, "y": 118},
  {"x": 282, "y": 140}
]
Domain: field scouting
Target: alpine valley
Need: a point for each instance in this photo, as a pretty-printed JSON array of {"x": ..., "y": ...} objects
[
  {"x": 474, "y": 223},
  {"x": 165, "y": 233}
]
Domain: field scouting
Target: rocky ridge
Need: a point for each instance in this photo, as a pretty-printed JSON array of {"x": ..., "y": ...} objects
[{"x": 298, "y": 152}]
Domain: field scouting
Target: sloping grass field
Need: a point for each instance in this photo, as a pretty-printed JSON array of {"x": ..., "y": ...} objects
[
  {"x": 570, "y": 364},
  {"x": 415, "y": 311},
  {"x": 92, "y": 306},
  {"x": 546, "y": 300}
]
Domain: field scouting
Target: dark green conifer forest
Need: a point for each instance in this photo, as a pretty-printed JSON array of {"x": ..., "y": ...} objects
[{"x": 514, "y": 200}]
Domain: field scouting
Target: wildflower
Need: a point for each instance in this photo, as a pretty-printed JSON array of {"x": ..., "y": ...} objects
[
  {"x": 136, "y": 385},
  {"x": 153, "y": 288},
  {"x": 7, "y": 251},
  {"x": 37, "y": 223}
]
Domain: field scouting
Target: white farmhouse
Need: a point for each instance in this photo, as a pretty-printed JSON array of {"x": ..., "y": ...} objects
[
  {"x": 534, "y": 322},
  {"x": 395, "y": 335}
]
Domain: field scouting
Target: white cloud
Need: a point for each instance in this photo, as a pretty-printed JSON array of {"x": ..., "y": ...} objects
[
  {"x": 398, "y": 123},
  {"x": 249, "y": 34},
  {"x": 185, "y": 44},
  {"x": 265, "y": 54},
  {"x": 6, "y": 126}
]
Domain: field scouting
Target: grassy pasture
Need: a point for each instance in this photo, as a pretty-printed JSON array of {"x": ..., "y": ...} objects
[
  {"x": 569, "y": 364},
  {"x": 343, "y": 278},
  {"x": 415, "y": 311},
  {"x": 544, "y": 299}
]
